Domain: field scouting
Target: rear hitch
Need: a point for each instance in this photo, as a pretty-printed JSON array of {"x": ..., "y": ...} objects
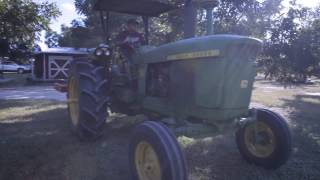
[{"x": 61, "y": 86}]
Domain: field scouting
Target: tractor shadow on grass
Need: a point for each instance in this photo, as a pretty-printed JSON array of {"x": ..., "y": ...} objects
[
  {"x": 304, "y": 113},
  {"x": 218, "y": 157},
  {"x": 36, "y": 143}
]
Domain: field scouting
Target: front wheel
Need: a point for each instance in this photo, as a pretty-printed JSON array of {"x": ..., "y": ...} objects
[
  {"x": 155, "y": 154},
  {"x": 266, "y": 142}
]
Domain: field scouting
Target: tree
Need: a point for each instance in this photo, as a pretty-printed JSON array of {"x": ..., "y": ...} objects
[
  {"x": 21, "y": 22},
  {"x": 292, "y": 52},
  {"x": 79, "y": 35},
  {"x": 89, "y": 32},
  {"x": 4, "y": 47},
  {"x": 52, "y": 39},
  {"x": 247, "y": 17},
  {"x": 291, "y": 39}
]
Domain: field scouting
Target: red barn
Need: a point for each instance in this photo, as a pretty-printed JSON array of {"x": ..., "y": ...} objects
[{"x": 53, "y": 63}]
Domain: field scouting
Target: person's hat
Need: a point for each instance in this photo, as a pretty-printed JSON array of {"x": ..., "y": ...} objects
[{"x": 133, "y": 22}]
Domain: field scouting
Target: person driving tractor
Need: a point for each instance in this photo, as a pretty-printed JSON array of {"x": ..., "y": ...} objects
[{"x": 128, "y": 40}]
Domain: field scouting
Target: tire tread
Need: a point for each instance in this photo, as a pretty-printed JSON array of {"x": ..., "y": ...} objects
[{"x": 92, "y": 98}]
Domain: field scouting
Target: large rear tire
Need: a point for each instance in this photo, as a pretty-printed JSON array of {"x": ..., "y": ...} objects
[
  {"x": 155, "y": 154},
  {"x": 266, "y": 142},
  {"x": 87, "y": 98}
]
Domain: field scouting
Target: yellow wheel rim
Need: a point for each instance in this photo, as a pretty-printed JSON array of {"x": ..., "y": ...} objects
[
  {"x": 259, "y": 139},
  {"x": 147, "y": 162},
  {"x": 73, "y": 101}
]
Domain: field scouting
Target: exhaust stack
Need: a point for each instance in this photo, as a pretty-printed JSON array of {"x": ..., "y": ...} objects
[
  {"x": 190, "y": 16},
  {"x": 209, "y": 5}
]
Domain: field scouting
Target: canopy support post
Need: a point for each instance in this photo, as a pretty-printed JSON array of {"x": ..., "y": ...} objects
[
  {"x": 107, "y": 19},
  {"x": 209, "y": 21},
  {"x": 190, "y": 15},
  {"x": 105, "y": 25}
]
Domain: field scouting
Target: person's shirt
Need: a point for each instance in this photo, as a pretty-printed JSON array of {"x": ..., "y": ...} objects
[{"x": 128, "y": 40}]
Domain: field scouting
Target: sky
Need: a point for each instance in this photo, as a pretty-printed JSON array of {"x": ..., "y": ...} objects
[
  {"x": 69, "y": 13},
  {"x": 307, "y": 3}
]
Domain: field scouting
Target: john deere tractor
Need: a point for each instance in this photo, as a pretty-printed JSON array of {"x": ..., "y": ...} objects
[{"x": 205, "y": 79}]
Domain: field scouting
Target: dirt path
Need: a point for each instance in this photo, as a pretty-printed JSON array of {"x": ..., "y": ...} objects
[
  {"x": 36, "y": 144},
  {"x": 31, "y": 92}
]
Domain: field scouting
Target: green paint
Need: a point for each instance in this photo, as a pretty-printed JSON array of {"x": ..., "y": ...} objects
[{"x": 213, "y": 87}]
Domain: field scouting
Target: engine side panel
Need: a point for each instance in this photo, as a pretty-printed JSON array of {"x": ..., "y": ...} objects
[{"x": 209, "y": 77}]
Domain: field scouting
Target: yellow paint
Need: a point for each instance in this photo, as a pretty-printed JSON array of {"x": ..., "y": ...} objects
[
  {"x": 147, "y": 162},
  {"x": 193, "y": 55},
  {"x": 73, "y": 101},
  {"x": 260, "y": 150}
]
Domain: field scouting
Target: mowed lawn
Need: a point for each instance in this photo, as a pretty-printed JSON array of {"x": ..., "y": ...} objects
[{"x": 36, "y": 143}]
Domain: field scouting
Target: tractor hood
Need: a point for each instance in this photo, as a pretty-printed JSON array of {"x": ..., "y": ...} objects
[{"x": 200, "y": 47}]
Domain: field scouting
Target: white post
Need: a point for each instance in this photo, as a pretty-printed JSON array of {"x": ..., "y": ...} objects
[{"x": 32, "y": 70}]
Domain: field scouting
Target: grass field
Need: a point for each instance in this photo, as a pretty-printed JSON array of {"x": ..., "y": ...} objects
[{"x": 36, "y": 143}]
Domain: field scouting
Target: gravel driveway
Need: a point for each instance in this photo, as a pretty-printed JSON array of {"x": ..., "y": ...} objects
[{"x": 31, "y": 92}]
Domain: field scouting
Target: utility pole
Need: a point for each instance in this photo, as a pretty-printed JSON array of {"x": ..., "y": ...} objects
[{"x": 4, "y": 49}]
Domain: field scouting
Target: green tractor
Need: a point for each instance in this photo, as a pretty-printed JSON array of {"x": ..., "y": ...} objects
[{"x": 204, "y": 79}]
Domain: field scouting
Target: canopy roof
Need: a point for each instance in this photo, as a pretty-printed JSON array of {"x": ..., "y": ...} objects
[
  {"x": 63, "y": 50},
  {"x": 137, "y": 7}
]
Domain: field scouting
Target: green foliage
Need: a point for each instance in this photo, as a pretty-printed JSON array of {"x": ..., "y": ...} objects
[
  {"x": 291, "y": 38},
  {"x": 292, "y": 51},
  {"x": 246, "y": 17},
  {"x": 89, "y": 33},
  {"x": 21, "y": 22},
  {"x": 52, "y": 39}
]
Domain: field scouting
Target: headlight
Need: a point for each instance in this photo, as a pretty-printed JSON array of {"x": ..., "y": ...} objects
[
  {"x": 107, "y": 52},
  {"x": 99, "y": 52},
  {"x": 102, "y": 52}
]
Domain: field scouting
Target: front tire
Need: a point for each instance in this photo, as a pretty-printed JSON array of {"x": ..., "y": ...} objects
[
  {"x": 266, "y": 142},
  {"x": 87, "y": 98},
  {"x": 155, "y": 154}
]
